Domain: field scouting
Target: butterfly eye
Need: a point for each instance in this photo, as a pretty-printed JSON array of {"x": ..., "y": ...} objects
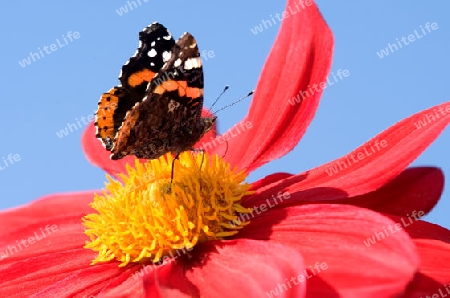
[{"x": 208, "y": 123}]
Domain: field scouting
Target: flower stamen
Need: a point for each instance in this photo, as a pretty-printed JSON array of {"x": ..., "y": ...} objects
[{"x": 146, "y": 217}]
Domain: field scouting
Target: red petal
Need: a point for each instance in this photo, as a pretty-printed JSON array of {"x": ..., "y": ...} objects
[
  {"x": 301, "y": 56},
  {"x": 432, "y": 241},
  {"x": 415, "y": 189},
  {"x": 274, "y": 178},
  {"x": 50, "y": 224},
  {"x": 337, "y": 235},
  {"x": 54, "y": 205},
  {"x": 61, "y": 274},
  {"x": 36, "y": 259},
  {"x": 99, "y": 156},
  {"x": 405, "y": 143},
  {"x": 155, "y": 290},
  {"x": 169, "y": 281},
  {"x": 433, "y": 246},
  {"x": 249, "y": 268}
]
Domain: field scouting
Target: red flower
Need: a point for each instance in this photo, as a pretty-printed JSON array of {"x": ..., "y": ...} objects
[{"x": 321, "y": 233}]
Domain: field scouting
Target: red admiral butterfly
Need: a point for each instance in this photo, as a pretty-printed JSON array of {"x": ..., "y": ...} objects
[{"x": 157, "y": 108}]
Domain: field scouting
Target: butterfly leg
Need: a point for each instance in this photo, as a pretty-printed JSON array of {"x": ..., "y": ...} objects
[{"x": 173, "y": 166}]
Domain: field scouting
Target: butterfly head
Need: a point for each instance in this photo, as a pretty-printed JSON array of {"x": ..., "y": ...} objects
[{"x": 208, "y": 123}]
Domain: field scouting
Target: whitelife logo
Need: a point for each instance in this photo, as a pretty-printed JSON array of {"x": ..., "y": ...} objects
[
  {"x": 290, "y": 10},
  {"x": 430, "y": 118},
  {"x": 74, "y": 127},
  {"x": 13, "y": 249},
  {"x": 9, "y": 161},
  {"x": 311, "y": 90},
  {"x": 164, "y": 261},
  {"x": 440, "y": 293},
  {"x": 391, "y": 229},
  {"x": 131, "y": 5},
  {"x": 296, "y": 280},
  {"x": 411, "y": 38},
  {"x": 53, "y": 47},
  {"x": 351, "y": 159},
  {"x": 243, "y": 217}
]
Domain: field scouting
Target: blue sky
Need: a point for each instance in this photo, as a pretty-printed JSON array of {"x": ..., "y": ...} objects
[{"x": 40, "y": 99}]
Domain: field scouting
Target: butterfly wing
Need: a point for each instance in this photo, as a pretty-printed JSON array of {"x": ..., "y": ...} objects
[
  {"x": 167, "y": 119},
  {"x": 134, "y": 78}
]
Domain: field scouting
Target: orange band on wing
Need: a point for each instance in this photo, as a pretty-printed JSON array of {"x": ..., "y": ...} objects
[
  {"x": 140, "y": 77},
  {"x": 194, "y": 92},
  {"x": 181, "y": 86}
]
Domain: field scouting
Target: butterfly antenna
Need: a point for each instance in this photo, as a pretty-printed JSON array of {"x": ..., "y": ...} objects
[
  {"x": 233, "y": 103},
  {"x": 224, "y": 89}
]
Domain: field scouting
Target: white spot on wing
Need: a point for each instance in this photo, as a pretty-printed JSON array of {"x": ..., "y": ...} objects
[
  {"x": 177, "y": 62},
  {"x": 153, "y": 43},
  {"x": 152, "y": 53},
  {"x": 193, "y": 63},
  {"x": 166, "y": 56},
  {"x": 168, "y": 37}
]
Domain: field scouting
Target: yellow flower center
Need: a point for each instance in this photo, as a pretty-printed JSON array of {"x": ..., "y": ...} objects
[{"x": 146, "y": 217}]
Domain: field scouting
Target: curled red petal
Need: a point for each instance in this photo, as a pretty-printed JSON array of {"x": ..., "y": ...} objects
[
  {"x": 250, "y": 268},
  {"x": 300, "y": 57},
  {"x": 342, "y": 237},
  {"x": 417, "y": 188},
  {"x": 266, "y": 182}
]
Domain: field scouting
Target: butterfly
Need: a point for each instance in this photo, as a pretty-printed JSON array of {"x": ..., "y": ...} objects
[{"x": 157, "y": 107}]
